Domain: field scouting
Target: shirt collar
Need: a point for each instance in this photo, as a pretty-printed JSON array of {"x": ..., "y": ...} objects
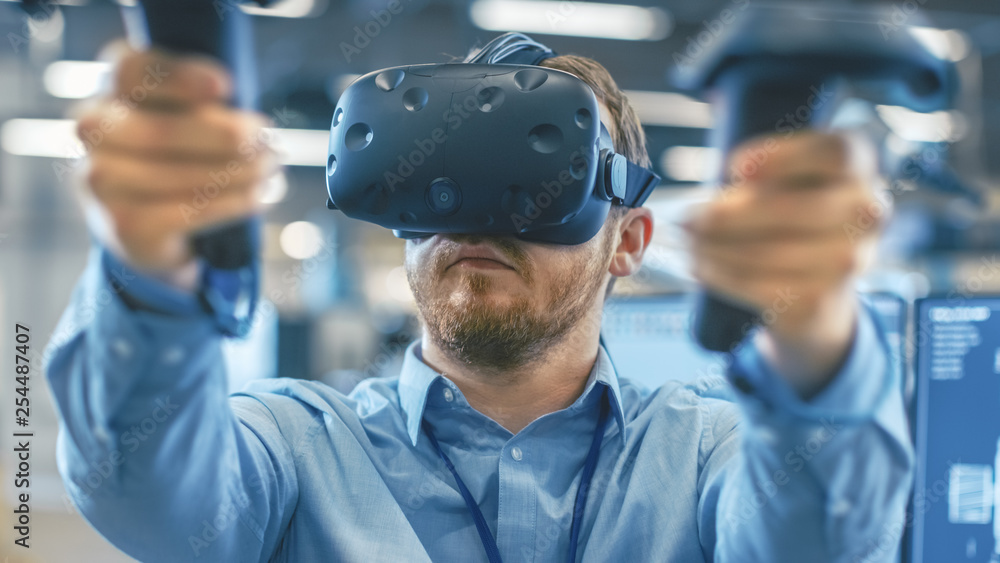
[{"x": 417, "y": 378}]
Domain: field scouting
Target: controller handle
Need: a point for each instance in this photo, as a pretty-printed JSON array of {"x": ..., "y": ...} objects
[
  {"x": 222, "y": 31},
  {"x": 786, "y": 67}
]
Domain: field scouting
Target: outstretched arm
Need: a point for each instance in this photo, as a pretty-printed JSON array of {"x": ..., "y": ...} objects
[
  {"x": 150, "y": 449},
  {"x": 823, "y": 480},
  {"x": 825, "y": 462}
]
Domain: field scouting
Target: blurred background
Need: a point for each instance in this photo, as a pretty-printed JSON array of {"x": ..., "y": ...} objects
[{"x": 337, "y": 306}]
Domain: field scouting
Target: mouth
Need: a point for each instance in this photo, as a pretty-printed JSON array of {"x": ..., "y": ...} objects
[
  {"x": 480, "y": 264},
  {"x": 479, "y": 257}
]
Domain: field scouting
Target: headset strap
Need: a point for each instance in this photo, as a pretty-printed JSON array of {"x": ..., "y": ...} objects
[
  {"x": 639, "y": 184},
  {"x": 512, "y": 48}
]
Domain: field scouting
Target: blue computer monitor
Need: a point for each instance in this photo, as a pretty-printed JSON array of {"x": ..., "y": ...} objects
[
  {"x": 649, "y": 337},
  {"x": 957, "y": 428},
  {"x": 649, "y": 340}
]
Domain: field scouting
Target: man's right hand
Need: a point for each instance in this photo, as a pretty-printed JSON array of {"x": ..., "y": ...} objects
[{"x": 168, "y": 158}]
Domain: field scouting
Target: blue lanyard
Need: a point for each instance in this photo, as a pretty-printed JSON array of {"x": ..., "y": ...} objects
[{"x": 489, "y": 542}]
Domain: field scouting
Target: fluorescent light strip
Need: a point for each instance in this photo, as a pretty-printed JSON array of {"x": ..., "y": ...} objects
[
  {"x": 948, "y": 44},
  {"x": 56, "y": 138},
  {"x": 583, "y": 19},
  {"x": 670, "y": 109},
  {"x": 75, "y": 79},
  {"x": 279, "y": 9},
  {"x": 53, "y": 138},
  {"x": 931, "y": 127},
  {"x": 288, "y": 9},
  {"x": 690, "y": 164},
  {"x": 58, "y": 2},
  {"x": 302, "y": 147}
]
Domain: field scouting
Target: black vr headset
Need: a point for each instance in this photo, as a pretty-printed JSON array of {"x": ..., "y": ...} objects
[{"x": 494, "y": 145}]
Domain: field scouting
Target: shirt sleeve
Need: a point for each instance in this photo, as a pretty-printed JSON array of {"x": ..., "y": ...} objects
[
  {"x": 149, "y": 449},
  {"x": 820, "y": 480}
]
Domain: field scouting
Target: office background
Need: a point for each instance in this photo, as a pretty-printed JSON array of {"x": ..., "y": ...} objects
[{"x": 337, "y": 307}]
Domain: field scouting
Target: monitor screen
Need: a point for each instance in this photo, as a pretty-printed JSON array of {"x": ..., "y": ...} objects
[
  {"x": 957, "y": 427},
  {"x": 650, "y": 342}
]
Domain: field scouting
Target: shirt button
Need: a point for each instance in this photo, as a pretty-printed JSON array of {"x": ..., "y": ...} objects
[
  {"x": 448, "y": 395},
  {"x": 515, "y": 453},
  {"x": 101, "y": 434},
  {"x": 841, "y": 508},
  {"x": 173, "y": 355},
  {"x": 121, "y": 348},
  {"x": 767, "y": 435}
]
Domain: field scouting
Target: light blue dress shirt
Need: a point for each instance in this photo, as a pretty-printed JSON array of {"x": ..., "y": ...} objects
[{"x": 168, "y": 468}]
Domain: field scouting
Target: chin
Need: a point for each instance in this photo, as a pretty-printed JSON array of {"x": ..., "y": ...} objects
[
  {"x": 480, "y": 287},
  {"x": 495, "y": 299}
]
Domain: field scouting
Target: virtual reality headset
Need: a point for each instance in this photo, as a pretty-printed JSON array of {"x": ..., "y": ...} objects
[{"x": 479, "y": 147}]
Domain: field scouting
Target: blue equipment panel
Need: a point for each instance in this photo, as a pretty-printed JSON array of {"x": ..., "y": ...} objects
[{"x": 957, "y": 427}]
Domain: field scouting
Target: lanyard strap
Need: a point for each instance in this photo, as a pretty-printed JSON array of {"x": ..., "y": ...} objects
[
  {"x": 588, "y": 474},
  {"x": 489, "y": 542}
]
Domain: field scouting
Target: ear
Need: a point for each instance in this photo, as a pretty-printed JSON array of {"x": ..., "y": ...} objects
[{"x": 636, "y": 230}]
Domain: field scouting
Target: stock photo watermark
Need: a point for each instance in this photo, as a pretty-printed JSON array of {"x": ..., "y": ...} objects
[
  {"x": 365, "y": 33},
  {"x": 710, "y": 32},
  {"x": 249, "y": 149}
]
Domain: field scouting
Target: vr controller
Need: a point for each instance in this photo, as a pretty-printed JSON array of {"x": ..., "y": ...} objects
[{"x": 478, "y": 148}]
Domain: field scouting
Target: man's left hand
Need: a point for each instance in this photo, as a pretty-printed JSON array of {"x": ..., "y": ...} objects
[{"x": 796, "y": 222}]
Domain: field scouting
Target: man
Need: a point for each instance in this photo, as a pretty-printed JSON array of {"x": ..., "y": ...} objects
[{"x": 479, "y": 449}]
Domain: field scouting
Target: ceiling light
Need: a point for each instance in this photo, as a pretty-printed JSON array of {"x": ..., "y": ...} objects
[
  {"x": 934, "y": 127},
  {"x": 670, "y": 109},
  {"x": 584, "y": 19},
  {"x": 302, "y": 147},
  {"x": 301, "y": 240},
  {"x": 288, "y": 9},
  {"x": 948, "y": 44},
  {"x": 75, "y": 79},
  {"x": 690, "y": 164},
  {"x": 54, "y": 138}
]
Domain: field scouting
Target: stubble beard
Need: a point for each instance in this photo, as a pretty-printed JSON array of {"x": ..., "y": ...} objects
[{"x": 469, "y": 327}]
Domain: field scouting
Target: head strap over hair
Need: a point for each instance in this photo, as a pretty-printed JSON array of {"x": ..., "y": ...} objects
[{"x": 511, "y": 48}]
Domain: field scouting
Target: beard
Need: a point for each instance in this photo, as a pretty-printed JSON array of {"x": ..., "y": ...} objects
[{"x": 472, "y": 327}]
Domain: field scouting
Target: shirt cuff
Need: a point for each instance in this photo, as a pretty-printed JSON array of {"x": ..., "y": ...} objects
[
  {"x": 105, "y": 360},
  {"x": 854, "y": 395},
  {"x": 145, "y": 291}
]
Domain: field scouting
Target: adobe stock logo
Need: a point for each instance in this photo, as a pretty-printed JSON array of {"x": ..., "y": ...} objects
[{"x": 363, "y": 34}]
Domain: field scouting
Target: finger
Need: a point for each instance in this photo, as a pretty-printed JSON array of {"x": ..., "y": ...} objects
[
  {"x": 117, "y": 176},
  {"x": 802, "y": 161},
  {"x": 207, "y": 133},
  {"x": 144, "y": 223},
  {"x": 155, "y": 78},
  {"x": 770, "y": 156},
  {"x": 831, "y": 256},
  {"x": 749, "y": 216},
  {"x": 759, "y": 292},
  {"x": 741, "y": 276}
]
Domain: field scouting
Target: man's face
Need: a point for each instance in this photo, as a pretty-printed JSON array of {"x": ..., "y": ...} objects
[{"x": 500, "y": 302}]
